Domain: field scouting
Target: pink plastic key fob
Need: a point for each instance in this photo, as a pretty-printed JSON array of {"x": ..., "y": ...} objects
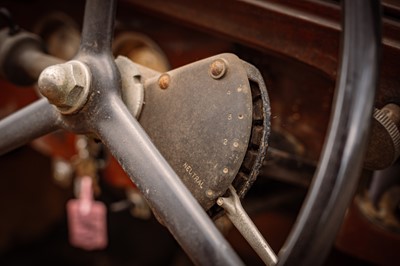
[{"x": 87, "y": 219}]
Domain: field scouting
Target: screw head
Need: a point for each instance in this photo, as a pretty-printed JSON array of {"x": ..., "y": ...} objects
[
  {"x": 164, "y": 81},
  {"x": 220, "y": 201},
  {"x": 218, "y": 69},
  {"x": 66, "y": 85},
  {"x": 209, "y": 193}
]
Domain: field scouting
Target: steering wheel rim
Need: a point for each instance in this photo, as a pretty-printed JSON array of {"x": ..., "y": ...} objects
[
  {"x": 320, "y": 218},
  {"x": 342, "y": 157}
]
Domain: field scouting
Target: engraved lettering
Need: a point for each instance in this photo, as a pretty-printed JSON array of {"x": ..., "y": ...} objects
[{"x": 196, "y": 178}]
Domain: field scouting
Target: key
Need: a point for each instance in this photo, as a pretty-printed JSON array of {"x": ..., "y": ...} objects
[{"x": 87, "y": 219}]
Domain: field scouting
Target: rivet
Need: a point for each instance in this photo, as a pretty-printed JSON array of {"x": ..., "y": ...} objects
[
  {"x": 220, "y": 201},
  {"x": 209, "y": 193},
  {"x": 225, "y": 171},
  {"x": 163, "y": 81},
  {"x": 218, "y": 69}
]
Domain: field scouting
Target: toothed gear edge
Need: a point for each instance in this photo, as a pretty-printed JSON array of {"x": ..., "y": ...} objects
[
  {"x": 391, "y": 129},
  {"x": 258, "y": 146}
]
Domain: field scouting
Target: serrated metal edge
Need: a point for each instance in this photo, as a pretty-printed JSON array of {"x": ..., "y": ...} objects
[{"x": 392, "y": 130}]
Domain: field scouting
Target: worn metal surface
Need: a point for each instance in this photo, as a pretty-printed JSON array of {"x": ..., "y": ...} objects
[
  {"x": 166, "y": 194},
  {"x": 246, "y": 227},
  {"x": 201, "y": 125}
]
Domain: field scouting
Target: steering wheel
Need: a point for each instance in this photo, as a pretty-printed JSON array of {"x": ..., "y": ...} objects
[{"x": 97, "y": 109}]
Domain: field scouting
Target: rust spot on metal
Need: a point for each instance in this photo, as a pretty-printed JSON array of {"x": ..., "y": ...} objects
[
  {"x": 217, "y": 69},
  {"x": 164, "y": 81}
]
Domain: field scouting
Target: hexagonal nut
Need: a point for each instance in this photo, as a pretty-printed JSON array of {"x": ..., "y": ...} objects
[
  {"x": 66, "y": 85},
  {"x": 75, "y": 85}
]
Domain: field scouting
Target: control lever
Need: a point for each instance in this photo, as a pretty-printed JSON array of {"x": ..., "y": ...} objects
[{"x": 246, "y": 227}]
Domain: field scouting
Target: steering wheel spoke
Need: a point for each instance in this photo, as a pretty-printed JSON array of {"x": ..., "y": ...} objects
[
  {"x": 98, "y": 26},
  {"x": 171, "y": 201},
  {"x": 33, "y": 121}
]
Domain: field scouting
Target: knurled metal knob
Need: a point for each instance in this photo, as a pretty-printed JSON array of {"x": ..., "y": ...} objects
[{"x": 384, "y": 145}]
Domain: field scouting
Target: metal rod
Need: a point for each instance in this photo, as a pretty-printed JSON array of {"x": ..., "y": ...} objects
[
  {"x": 25, "y": 125},
  {"x": 342, "y": 158},
  {"x": 34, "y": 62},
  {"x": 22, "y": 58},
  {"x": 166, "y": 194},
  {"x": 98, "y": 26},
  {"x": 246, "y": 227}
]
